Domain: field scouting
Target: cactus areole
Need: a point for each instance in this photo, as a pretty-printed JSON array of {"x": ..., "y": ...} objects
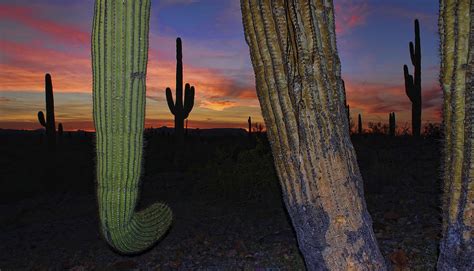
[
  {"x": 119, "y": 62},
  {"x": 179, "y": 108},
  {"x": 298, "y": 76}
]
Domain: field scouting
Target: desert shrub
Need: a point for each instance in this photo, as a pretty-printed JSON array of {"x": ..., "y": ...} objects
[{"x": 241, "y": 174}]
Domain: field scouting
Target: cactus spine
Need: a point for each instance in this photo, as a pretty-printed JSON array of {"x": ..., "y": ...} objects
[
  {"x": 456, "y": 28},
  {"x": 49, "y": 123},
  {"x": 178, "y": 108},
  {"x": 360, "y": 125},
  {"x": 391, "y": 121},
  {"x": 119, "y": 63},
  {"x": 413, "y": 84}
]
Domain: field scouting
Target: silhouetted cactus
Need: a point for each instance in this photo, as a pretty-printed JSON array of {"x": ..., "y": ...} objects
[
  {"x": 391, "y": 123},
  {"x": 119, "y": 61},
  {"x": 250, "y": 126},
  {"x": 49, "y": 123},
  {"x": 178, "y": 108},
  {"x": 347, "y": 106},
  {"x": 359, "y": 125},
  {"x": 413, "y": 84},
  {"x": 60, "y": 130}
]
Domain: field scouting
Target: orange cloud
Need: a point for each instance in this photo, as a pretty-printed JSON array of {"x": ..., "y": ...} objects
[{"x": 217, "y": 105}]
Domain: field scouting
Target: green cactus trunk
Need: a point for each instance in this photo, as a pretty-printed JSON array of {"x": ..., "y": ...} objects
[
  {"x": 413, "y": 84},
  {"x": 178, "y": 108},
  {"x": 456, "y": 28},
  {"x": 49, "y": 123},
  {"x": 119, "y": 62}
]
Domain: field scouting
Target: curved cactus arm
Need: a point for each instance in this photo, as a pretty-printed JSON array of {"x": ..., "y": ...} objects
[
  {"x": 119, "y": 62},
  {"x": 409, "y": 85},
  {"x": 41, "y": 119},
  {"x": 188, "y": 100},
  {"x": 169, "y": 100}
]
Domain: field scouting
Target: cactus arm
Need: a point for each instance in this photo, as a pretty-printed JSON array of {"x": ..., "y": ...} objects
[
  {"x": 41, "y": 118},
  {"x": 188, "y": 100},
  {"x": 169, "y": 99},
  {"x": 119, "y": 60},
  {"x": 408, "y": 83},
  {"x": 412, "y": 53}
]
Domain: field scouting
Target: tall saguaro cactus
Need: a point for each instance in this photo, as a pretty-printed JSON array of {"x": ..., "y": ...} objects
[
  {"x": 298, "y": 76},
  {"x": 119, "y": 63},
  {"x": 413, "y": 84},
  {"x": 456, "y": 28},
  {"x": 178, "y": 108},
  {"x": 49, "y": 123}
]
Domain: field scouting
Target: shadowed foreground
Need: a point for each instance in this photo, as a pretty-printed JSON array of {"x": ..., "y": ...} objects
[{"x": 225, "y": 199}]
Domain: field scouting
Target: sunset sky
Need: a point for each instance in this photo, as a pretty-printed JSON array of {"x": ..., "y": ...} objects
[{"x": 53, "y": 36}]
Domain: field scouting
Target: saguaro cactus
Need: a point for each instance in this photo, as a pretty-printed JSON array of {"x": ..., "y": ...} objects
[
  {"x": 359, "y": 124},
  {"x": 391, "y": 123},
  {"x": 413, "y": 84},
  {"x": 298, "y": 76},
  {"x": 456, "y": 28},
  {"x": 178, "y": 108},
  {"x": 49, "y": 123},
  {"x": 119, "y": 63}
]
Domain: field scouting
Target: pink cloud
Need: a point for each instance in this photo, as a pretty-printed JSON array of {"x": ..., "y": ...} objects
[
  {"x": 350, "y": 14},
  {"x": 28, "y": 17}
]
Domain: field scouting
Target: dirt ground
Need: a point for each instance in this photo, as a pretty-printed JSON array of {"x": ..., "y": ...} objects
[{"x": 49, "y": 218}]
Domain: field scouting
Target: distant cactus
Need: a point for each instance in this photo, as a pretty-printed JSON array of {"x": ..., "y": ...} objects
[
  {"x": 360, "y": 124},
  {"x": 49, "y": 122},
  {"x": 347, "y": 106},
  {"x": 250, "y": 126},
  {"x": 391, "y": 123},
  {"x": 178, "y": 108},
  {"x": 60, "y": 130},
  {"x": 119, "y": 62},
  {"x": 413, "y": 84}
]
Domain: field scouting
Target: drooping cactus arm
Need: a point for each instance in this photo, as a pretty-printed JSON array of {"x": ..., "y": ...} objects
[
  {"x": 409, "y": 87},
  {"x": 169, "y": 100},
  {"x": 41, "y": 118},
  {"x": 119, "y": 61}
]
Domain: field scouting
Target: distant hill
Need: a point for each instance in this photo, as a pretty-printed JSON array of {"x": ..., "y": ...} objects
[{"x": 161, "y": 130}]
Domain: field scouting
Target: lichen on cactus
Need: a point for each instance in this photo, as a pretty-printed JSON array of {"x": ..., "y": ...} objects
[
  {"x": 178, "y": 108},
  {"x": 119, "y": 63},
  {"x": 49, "y": 123},
  {"x": 413, "y": 83}
]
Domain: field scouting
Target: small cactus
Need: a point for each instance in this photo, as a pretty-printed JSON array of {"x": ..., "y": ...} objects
[
  {"x": 392, "y": 124},
  {"x": 49, "y": 122},
  {"x": 250, "y": 126},
  {"x": 178, "y": 108},
  {"x": 360, "y": 124}
]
